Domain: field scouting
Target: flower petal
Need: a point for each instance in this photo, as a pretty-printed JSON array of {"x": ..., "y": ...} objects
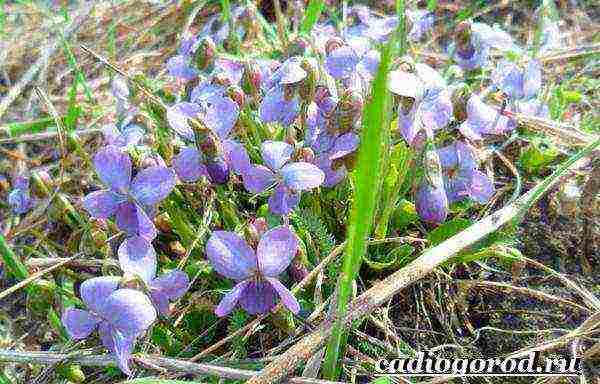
[
  {"x": 257, "y": 178},
  {"x": 160, "y": 301},
  {"x": 129, "y": 311},
  {"x": 275, "y": 108},
  {"x": 132, "y": 219},
  {"x": 332, "y": 176},
  {"x": 188, "y": 166},
  {"x": 123, "y": 345},
  {"x": 178, "y": 116},
  {"x": 275, "y": 251},
  {"x": 276, "y": 153},
  {"x": 102, "y": 204},
  {"x": 221, "y": 115},
  {"x": 79, "y": 323},
  {"x": 173, "y": 284},
  {"x": 405, "y": 84},
  {"x": 113, "y": 168},
  {"x": 290, "y": 72},
  {"x": 151, "y": 185},
  {"x": 287, "y": 298},
  {"x": 258, "y": 297},
  {"x": 230, "y": 255},
  {"x": 283, "y": 200},
  {"x": 137, "y": 256},
  {"x": 96, "y": 290},
  {"x": 532, "y": 79},
  {"x": 236, "y": 156},
  {"x": 481, "y": 188},
  {"x": 178, "y": 66},
  {"x": 302, "y": 176},
  {"x": 229, "y": 301},
  {"x": 341, "y": 62},
  {"x": 344, "y": 145}
]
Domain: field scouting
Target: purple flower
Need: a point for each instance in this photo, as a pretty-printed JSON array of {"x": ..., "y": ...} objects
[
  {"x": 256, "y": 273},
  {"x": 422, "y": 21},
  {"x": 120, "y": 315},
  {"x": 353, "y": 59},
  {"x": 483, "y": 120},
  {"x": 431, "y": 201},
  {"x": 219, "y": 153},
  {"x": 289, "y": 178},
  {"x": 137, "y": 256},
  {"x": 474, "y": 41},
  {"x": 518, "y": 83},
  {"x": 128, "y": 200},
  {"x": 19, "y": 199},
  {"x": 461, "y": 177},
  {"x": 130, "y": 135}
]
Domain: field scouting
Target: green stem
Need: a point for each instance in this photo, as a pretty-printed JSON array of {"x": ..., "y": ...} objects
[{"x": 14, "y": 265}]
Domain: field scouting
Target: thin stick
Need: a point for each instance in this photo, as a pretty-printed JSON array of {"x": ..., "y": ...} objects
[
  {"x": 366, "y": 303},
  {"x": 34, "y": 277},
  {"x": 45, "y": 56},
  {"x": 149, "y": 361}
]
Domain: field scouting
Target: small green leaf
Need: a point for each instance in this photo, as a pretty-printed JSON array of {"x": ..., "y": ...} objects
[
  {"x": 311, "y": 16},
  {"x": 536, "y": 156},
  {"x": 447, "y": 230}
]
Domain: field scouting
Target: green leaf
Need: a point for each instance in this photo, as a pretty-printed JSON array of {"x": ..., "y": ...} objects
[
  {"x": 536, "y": 156},
  {"x": 381, "y": 380},
  {"x": 447, "y": 230},
  {"x": 395, "y": 258},
  {"x": 157, "y": 381},
  {"x": 404, "y": 215},
  {"x": 315, "y": 7}
]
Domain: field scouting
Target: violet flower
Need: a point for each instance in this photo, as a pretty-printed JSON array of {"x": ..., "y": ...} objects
[
  {"x": 484, "y": 120},
  {"x": 219, "y": 153},
  {"x": 256, "y": 273},
  {"x": 288, "y": 177},
  {"x": 126, "y": 199},
  {"x": 431, "y": 201},
  {"x": 120, "y": 315},
  {"x": 19, "y": 199},
  {"x": 355, "y": 58},
  {"x": 461, "y": 177},
  {"x": 130, "y": 135},
  {"x": 281, "y": 103},
  {"x": 474, "y": 42},
  {"x": 422, "y": 21},
  {"x": 180, "y": 66},
  {"x": 137, "y": 256}
]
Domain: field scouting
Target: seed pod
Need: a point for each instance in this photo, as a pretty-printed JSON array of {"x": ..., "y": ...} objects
[
  {"x": 460, "y": 96},
  {"x": 349, "y": 110},
  {"x": 237, "y": 94},
  {"x": 252, "y": 78},
  {"x": 307, "y": 88},
  {"x": 433, "y": 168},
  {"x": 306, "y": 155}
]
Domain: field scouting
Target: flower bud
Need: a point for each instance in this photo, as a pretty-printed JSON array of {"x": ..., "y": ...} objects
[
  {"x": 252, "y": 78},
  {"x": 221, "y": 79},
  {"x": 349, "y": 110},
  {"x": 333, "y": 44},
  {"x": 218, "y": 170},
  {"x": 433, "y": 168},
  {"x": 236, "y": 94},
  {"x": 306, "y": 155},
  {"x": 308, "y": 86},
  {"x": 460, "y": 96},
  {"x": 206, "y": 54},
  {"x": 431, "y": 203}
]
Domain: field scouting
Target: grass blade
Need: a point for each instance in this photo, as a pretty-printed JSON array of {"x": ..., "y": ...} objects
[
  {"x": 15, "y": 267},
  {"x": 313, "y": 12},
  {"x": 374, "y": 141}
]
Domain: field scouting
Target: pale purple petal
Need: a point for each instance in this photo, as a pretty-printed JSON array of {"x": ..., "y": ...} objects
[
  {"x": 131, "y": 135},
  {"x": 132, "y": 219},
  {"x": 302, "y": 176},
  {"x": 344, "y": 145},
  {"x": 369, "y": 64},
  {"x": 137, "y": 256},
  {"x": 436, "y": 109},
  {"x": 290, "y": 72},
  {"x": 332, "y": 176},
  {"x": 217, "y": 169},
  {"x": 275, "y": 251},
  {"x": 95, "y": 291},
  {"x": 173, "y": 284},
  {"x": 160, "y": 301},
  {"x": 178, "y": 66},
  {"x": 178, "y": 116},
  {"x": 236, "y": 156},
  {"x": 78, "y": 323},
  {"x": 123, "y": 345},
  {"x": 102, "y": 204},
  {"x": 276, "y": 153},
  {"x": 405, "y": 84},
  {"x": 221, "y": 115},
  {"x": 457, "y": 187},
  {"x": 205, "y": 91},
  {"x": 151, "y": 185},
  {"x": 233, "y": 70},
  {"x": 509, "y": 78},
  {"x": 532, "y": 79},
  {"x": 283, "y": 200},
  {"x": 19, "y": 200},
  {"x": 229, "y": 301},
  {"x": 287, "y": 298},
  {"x": 188, "y": 166},
  {"x": 230, "y": 255},
  {"x": 128, "y": 311},
  {"x": 431, "y": 203},
  {"x": 275, "y": 108},
  {"x": 258, "y": 297},
  {"x": 257, "y": 178},
  {"x": 342, "y": 62},
  {"x": 481, "y": 188},
  {"x": 113, "y": 168}
]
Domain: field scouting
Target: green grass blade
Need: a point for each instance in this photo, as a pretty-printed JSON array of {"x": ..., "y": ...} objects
[
  {"x": 226, "y": 9},
  {"x": 375, "y": 142},
  {"x": 315, "y": 7},
  {"x": 14, "y": 265}
]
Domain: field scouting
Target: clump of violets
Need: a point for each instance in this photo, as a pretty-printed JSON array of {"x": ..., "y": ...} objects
[
  {"x": 19, "y": 198},
  {"x": 137, "y": 257},
  {"x": 288, "y": 178},
  {"x": 451, "y": 175},
  {"x": 120, "y": 315},
  {"x": 130, "y": 201},
  {"x": 474, "y": 41},
  {"x": 256, "y": 273}
]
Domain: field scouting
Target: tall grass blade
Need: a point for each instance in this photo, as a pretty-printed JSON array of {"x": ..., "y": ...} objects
[
  {"x": 14, "y": 265},
  {"x": 313, "y": 12},
  {"x": 375, "y": 142}
]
